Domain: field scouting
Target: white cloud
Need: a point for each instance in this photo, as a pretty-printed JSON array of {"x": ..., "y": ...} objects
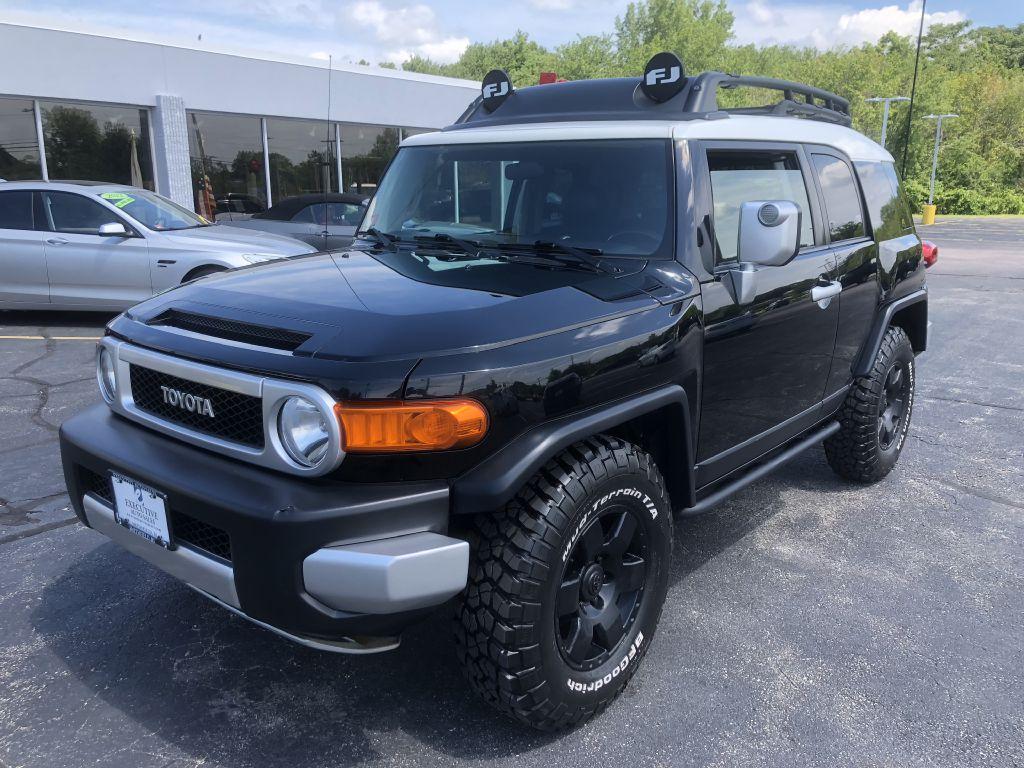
[
  {"x": 553, "y": 5},
  {"x": 823, "y": 26},
  {"x": 414, "y": 29}
]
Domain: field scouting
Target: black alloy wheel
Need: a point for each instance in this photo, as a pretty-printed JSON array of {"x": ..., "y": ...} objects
[
  {"x": 892, "y": 405},
  {"x": 601, "y": 588}
]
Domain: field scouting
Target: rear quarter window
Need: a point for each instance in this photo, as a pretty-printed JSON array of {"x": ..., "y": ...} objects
[
  {"x": 16, "y": 210},
  {"x": 889, "y": 215},
  {"x": 842, "y": 200}
]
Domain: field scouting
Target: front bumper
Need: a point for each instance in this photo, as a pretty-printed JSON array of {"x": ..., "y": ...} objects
[{"x": 337, "y": 566}]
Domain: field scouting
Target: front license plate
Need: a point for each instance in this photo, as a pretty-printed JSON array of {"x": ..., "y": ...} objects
[{"x": 141, "y": 510}]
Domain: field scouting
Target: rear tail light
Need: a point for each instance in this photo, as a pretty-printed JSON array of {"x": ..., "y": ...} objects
[
  {"x": 929, "y": 252},
  {"x": 387, "y": 426}
]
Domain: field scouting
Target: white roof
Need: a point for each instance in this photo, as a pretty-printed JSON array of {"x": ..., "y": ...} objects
[{"x": 855, "y": 145}]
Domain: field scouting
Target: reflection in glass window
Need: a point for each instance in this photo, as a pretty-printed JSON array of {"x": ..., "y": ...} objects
[
  {"x": 19, "y": 151},
  {"x": 227, "y": 163},
  {"x": 842, "y": 200},
  {"x": 97, "y": 143},
  {"x": 738, "y": 177},
  {"x": 301, "y": 157},
  {"x": 365, "y": 152}
]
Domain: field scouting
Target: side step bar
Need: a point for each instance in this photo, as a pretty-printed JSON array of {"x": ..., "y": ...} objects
[{"x": 727, "y": 490}]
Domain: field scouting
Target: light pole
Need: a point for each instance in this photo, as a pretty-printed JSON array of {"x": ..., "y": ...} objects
[
  {"x": 929, "y": 210},
  {"x": 887, "y": 100}
]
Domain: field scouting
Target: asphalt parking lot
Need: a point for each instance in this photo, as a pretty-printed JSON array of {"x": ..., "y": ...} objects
[{"x": 808, "y": 622}]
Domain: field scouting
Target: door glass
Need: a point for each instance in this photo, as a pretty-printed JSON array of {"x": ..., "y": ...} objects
[
  {"x": 842, "y": 201},
  {"x": 739, "y": 176},
  {"x": 76, "y": 215},
  {"x": 16, "y": 210}
]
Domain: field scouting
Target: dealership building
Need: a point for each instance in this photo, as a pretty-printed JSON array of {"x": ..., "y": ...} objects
[{"x": 212, "y": 131}]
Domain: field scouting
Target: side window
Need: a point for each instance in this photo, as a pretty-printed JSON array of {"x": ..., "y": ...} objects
[
  {"x": 16, "y": 210},
  {"x": 842, "y": 201},
  {"x": 905, "y": 213},
  {"x": 76, "y": 215},
  {"x": 739, "y": 176},
  {"x": 345, "y": 214},
  {"x": 311, "y": 214},
  {"x": 887, "y": 212}
]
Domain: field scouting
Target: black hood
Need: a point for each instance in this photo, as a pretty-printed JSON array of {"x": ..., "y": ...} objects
[{"x": 360, "y": 306}]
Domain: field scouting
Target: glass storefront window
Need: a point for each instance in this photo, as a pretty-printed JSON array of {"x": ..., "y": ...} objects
[
  {"x": 227, "y": 163},
  {"x": 301, "y": 157},
  {"x": 19, "y": 150},
  {"x": 366, "y": 151},
  {"x": 97, "y": 143}
]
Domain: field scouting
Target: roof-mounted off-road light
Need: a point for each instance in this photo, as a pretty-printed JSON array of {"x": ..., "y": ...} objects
[
  {"x": 664, "y": 77},
  {"x": 497, "y": 87},
  {"x": 388, "y": 426}
]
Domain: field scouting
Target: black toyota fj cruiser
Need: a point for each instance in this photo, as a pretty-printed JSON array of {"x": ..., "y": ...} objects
[{"x": 582, "y": 309}]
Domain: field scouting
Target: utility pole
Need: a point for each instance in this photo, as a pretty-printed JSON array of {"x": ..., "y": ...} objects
[
  {"x": 887, "y": 100},
  {"x": 929, "y": 210}
]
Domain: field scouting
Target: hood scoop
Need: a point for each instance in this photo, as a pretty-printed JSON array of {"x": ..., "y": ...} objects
[{"x": 232, "y": 330}]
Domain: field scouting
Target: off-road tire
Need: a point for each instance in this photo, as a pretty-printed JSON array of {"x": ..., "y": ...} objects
[
  {"x": 858, "y": 451},
  {"x": 507, "y": 630}
]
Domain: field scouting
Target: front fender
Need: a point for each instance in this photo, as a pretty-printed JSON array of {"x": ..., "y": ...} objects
[{"x": 494, "y": 482}]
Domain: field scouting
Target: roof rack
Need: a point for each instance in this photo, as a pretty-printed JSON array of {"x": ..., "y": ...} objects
[
  {"x": 663, "y": 93},
  {"x": 702, "y": 96}
]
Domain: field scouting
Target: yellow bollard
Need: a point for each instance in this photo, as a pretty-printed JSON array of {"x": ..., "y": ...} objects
[{"x": 928, "y": 216}]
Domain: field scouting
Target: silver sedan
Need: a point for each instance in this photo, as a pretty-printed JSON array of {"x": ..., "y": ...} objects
[{"x": 82, "y": 245}]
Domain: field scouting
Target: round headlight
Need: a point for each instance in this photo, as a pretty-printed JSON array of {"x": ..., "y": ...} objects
[
  {"x": 303, "y": 431},
  {"x": 105, "y": 375}
]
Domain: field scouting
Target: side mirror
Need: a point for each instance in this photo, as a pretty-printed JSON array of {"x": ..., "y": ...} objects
[
  {"x": 112, "y": 229},
  {"x": 769, "y": 232}
]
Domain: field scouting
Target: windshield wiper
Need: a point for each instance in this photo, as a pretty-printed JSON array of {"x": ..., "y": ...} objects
[
  {"x": 582, "y": 255},
  {"x": 386, "y": 239},
  {"x": 442, "y": 240},
  {"x": 560, "y": 253}
]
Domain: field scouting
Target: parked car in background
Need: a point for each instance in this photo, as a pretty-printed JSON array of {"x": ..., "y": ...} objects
[
  {"x": 238, "y": 203},
  {"x": 87, "y": 245},
  {"x": 325, "y": 221}
]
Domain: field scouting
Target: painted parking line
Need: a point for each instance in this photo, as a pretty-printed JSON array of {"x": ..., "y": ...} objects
[{"x": 52, "y": 338}]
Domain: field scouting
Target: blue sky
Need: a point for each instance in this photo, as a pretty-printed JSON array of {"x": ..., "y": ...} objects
[{"x": 391, "y": 30}]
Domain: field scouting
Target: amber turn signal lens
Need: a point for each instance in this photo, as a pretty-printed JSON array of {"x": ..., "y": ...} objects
[{"x": 384, "y": 426}]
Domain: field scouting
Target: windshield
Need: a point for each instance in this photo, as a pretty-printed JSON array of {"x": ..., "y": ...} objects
[
  {"x": 153, "y": 211},
  {"x": 611, "y": 197}
]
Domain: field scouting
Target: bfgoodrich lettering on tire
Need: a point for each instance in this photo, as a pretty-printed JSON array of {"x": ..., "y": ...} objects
[
  {"x": 566, "y": 585},
  {"x": 875, "y": 417}
]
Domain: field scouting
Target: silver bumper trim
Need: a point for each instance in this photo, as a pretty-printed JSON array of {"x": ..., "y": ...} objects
[
  {"x": 388, "y": 575},
  {"x": 350, "y": 645},
  {"x": 196, "y": 570}
]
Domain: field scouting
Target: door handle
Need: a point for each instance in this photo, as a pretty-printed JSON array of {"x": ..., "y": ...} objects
[
  {"x": 57, "y": 241},
  {"x": 822, "y": 294}
]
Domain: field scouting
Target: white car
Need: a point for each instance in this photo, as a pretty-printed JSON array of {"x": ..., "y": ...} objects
[{"x": 83, "y": 245}]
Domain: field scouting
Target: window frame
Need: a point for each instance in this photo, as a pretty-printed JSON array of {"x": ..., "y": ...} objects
[
  {"x": 719, "y": 265},
  {"x": 869, "y": 230},
  {"x": 48, "y": 225}
]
